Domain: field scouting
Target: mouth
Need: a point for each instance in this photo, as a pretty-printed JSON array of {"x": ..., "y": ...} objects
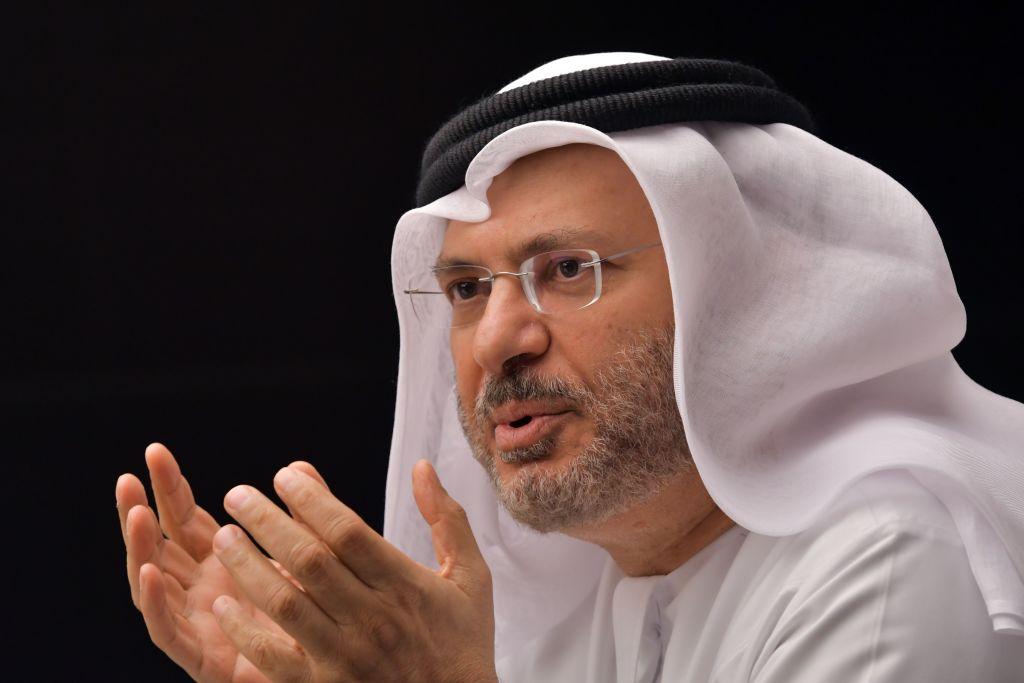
[{"x": 527, "y": 430}]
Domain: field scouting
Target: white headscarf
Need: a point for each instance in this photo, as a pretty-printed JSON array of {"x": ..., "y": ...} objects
[{"x": 815, "y": 311}]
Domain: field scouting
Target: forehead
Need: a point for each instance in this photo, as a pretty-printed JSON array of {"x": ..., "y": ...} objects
[
  {"x": 505, "y": 247},
  {"x": 570, "y": 196}
]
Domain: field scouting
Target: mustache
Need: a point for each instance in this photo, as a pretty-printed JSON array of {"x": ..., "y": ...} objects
[{"x": 527, "y": 385}]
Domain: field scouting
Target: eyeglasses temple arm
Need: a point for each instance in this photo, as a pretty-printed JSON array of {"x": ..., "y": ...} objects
[{"x": 629, "y": 251}]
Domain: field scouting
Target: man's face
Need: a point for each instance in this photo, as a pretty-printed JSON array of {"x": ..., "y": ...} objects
[{"x": 604, "y": 432}]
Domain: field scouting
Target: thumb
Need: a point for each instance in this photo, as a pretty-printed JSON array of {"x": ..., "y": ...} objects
[{"x": 454, "y": 544}]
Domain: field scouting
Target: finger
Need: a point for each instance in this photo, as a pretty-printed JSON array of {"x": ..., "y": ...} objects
[
  {"x": 184, "y": 522},
  {"x": 286, "y": 574},
  {"x": 311, "y": 471},
  {"x": 145, "y": 544},
  {"x": 305, "y": 554},
  {"x": 277, "y": 658},
  {"x": 168, "y": 628},
  {"x": 454, "y": 543},
  {"x": 293, "y": 610},
  {"x": 373, "y": 560},
  {"x": 129, "y": 492}
]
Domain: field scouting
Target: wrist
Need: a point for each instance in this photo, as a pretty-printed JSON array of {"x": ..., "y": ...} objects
[{"x": 473, "y": 673}]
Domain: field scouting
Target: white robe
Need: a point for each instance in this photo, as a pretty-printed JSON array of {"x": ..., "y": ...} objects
[{"x": 878, "y": 590}]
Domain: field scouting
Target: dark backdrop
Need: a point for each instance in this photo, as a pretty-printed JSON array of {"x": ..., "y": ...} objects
[{"x": 199, "y": 212}]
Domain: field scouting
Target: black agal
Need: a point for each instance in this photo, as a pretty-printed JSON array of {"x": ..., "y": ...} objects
[{"x": 608, "y": 98}]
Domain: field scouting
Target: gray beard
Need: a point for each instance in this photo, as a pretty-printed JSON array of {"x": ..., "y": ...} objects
[{"x": 638, "y": 448}]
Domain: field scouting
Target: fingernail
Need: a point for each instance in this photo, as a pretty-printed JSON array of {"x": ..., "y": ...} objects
[
  {"x": 237, "y": 496},
  {"x": 221, "y": 605},
  {"x": 225, "y": 536},
  {"x": 285, "y": 478}
]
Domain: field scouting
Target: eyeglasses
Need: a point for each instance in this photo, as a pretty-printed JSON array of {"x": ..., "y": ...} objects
[{"x": 554, "y": 282}]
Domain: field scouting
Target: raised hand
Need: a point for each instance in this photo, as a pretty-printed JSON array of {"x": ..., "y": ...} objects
[
  {"x": 342, "y": 605},
  {"x": 174, "y": 580},
  {"x": 369, "y": 612}
]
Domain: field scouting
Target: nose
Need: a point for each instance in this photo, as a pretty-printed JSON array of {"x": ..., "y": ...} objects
[{"x": 510, "y": 327}]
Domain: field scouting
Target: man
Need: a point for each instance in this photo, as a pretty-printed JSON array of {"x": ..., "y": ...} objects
[{"x": 704, "y": 368}]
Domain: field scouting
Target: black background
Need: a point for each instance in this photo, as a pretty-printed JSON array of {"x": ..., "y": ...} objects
[{"x": 199, "y": 213}]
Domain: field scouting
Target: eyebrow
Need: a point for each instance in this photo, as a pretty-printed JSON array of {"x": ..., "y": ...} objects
[{"x": 558, "y": 238}]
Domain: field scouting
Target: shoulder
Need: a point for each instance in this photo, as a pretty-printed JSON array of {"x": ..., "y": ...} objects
[
  {"x": 886, "y": 510},
  {"x": 880, "y": 589},
  {"x": 884, "y": 539},
  {"x": 877, "y": 519}
]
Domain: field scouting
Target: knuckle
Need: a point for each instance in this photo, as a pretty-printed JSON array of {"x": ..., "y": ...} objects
[
  {"x": 346, "y": 534},
  {"x": 189, "y": 515},
  {"x": 384, "y": 634},
  {"x": 311, "y": 562},
  {"x": 410, "y": 599},
  {"x": 413, "y": 597},
  {"x": 158, "y": 636},
  {"x": 486, "y": 579},
  {"x": 170, "y": 641},
  {"x": 163, "y": 643},
  {"x": 458, "y": 512},
  {"x": 261, "y": 516},
  {"x": 283, "y": 603},
  {"x": 240, "y": 558},
  {"x": 304, "y": 497},
  {"x": 261, "y": 651}
]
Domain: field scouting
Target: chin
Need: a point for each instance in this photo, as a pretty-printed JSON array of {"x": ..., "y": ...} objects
[{"x": 546, "y": 456}]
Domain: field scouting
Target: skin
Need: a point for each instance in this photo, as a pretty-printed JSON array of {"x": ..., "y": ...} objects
[
  {"x": 334, "y": 601},
  {"x": 588, "y": 186},
  {"x": 338, "y": 604}
]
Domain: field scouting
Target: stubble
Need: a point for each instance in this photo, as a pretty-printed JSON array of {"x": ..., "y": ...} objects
[{"x": 638, "y": 448}]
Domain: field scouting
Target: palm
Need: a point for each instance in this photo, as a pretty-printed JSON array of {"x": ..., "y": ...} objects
[{"x": 182, "y": 577}]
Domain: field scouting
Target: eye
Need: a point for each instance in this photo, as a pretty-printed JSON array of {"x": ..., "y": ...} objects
[
  {"x": 462, "y": 290},
  {"x": 568, "y": 267}
]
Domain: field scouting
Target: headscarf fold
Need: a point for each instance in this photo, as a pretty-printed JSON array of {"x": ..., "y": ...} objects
[{"x": 815, "y": 311}]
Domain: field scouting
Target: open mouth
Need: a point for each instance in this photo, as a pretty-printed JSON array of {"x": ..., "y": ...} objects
[{"x": 527, "y": 430}]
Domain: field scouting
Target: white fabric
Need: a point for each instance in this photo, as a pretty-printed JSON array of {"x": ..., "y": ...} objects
[
  {"x": 814, "y": 312},
  {"x": 879, "y": 589}
]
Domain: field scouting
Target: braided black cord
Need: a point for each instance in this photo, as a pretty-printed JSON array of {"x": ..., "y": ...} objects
[{"x": 610, "y": 98}]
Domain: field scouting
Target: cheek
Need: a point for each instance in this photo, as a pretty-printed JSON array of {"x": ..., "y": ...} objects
[
  {"x": 467, "y": 379},
  {"x": 579, "y": 350},
  {"x": 593, "y": 338}
]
